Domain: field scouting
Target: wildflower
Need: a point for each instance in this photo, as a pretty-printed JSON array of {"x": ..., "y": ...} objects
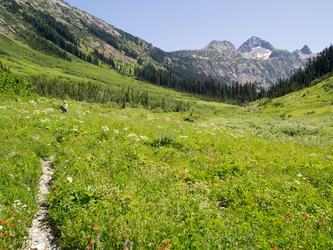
[
  {"x": 111, "y": 233},
  {"x": 105, "y": 128},
  {"x": 303, "y": 214},
  {"x": 1, "y": 234},
  {"x": 70, "y": 179},
  {"x": 143, "y": 137},
  {"x": 287, "y": 217},
  {"x": 169, "y": 246},
  {"x": 128, "y": 242},
  {"x": 7, "y": 223},
  {"x": 288, "y": 213},
  {"x": 1, "y": 221},
  {"x": 306, "y": 217},
  {"x": 92, "y": 241},
  {"x": 1, "y": 227},
  {"x": 11, "y": 212}
]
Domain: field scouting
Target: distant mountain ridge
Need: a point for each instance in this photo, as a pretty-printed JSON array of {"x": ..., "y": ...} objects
[{"x": 256, "y": 60}]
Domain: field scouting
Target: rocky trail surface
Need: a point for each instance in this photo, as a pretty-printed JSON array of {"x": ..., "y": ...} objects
[{"x": 41, "y": 236}]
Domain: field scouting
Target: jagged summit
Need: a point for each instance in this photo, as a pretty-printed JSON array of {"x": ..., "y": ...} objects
[
  {"x": 306, "y": 50},
  {"x": 254, "y": 42},
  {"x": 256, "y": 47}
]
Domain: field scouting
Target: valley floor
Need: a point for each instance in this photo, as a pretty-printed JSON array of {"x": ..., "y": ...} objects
[{"x": 133, "y": 179}]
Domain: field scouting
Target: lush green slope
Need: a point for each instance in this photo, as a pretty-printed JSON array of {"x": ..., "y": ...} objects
[{"x": 134, "y": 179}]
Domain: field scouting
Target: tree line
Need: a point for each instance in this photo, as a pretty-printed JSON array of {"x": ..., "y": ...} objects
[
  {"x": 315, "y": 68},
  {"x": 12, "y": 86},
  {"x": 209, "y": 89}
]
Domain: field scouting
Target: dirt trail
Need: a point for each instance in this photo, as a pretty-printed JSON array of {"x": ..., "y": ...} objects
[{"x": 40, "y": 236}]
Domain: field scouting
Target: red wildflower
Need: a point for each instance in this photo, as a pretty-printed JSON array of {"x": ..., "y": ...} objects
[
  {"x": 1, "y": 221},
  {"x": 92, "y": 241},
  {"x": 111, "y": 233},
  {"x": 160, "y": 248},
  {"x": 14, "y": 225},
  {"x": 288, "y": 213},
  {"x": 287, "y": 217},
  {"x": 305, "y": 217},
  {"x": 169, "y": 246},
  {"x": 1, "y": 234},
  {"x": 303, "y": 214},
  {"x": 7, "y": 223},
  {"x": 11, "y": 212},
  {"x": 119, "y": 238}
]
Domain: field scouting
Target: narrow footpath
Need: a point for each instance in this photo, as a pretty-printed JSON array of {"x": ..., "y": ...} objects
[{"x": 40, "y": 235}]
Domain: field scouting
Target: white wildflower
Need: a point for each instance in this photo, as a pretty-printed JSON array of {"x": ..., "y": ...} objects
[
  {"x": 300, "y": 175},
  {"x": 116, "y": 131},
  {"x": 105, "y": 128},
  {"x": 1, "y": 227},
  {"x": 183, "y": 136},
  {"x": 70, "y": 179},
  {"x": 143, "y": 137},
  {"x": 134, "y": 136}
]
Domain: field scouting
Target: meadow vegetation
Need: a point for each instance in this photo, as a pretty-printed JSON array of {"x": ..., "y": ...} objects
[{"x": 215, "y": 176}]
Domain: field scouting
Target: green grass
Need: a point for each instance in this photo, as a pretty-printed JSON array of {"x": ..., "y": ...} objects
[
  {"x": 27, "y": 62},
  {"x": 214, "y": 177},
  {"x": 135, "y": 179}
]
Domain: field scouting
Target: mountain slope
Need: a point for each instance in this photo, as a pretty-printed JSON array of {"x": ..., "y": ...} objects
[
  {"x": 93, "y": 40},
  {"x": 255, "y": 60}
]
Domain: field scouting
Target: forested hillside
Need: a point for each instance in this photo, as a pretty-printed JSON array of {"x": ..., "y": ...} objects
[{"x": 315, "y": 68}]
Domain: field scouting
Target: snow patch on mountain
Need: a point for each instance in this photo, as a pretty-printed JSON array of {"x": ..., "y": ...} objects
[{"x": 258, "y": 52}]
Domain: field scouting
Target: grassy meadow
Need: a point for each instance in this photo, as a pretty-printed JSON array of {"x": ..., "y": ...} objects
[{"x": 216, "y": 177}]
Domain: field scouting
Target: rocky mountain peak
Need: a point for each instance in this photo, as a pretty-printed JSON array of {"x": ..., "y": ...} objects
[
  {"x": 221, "y": 45},
  {"x": 254, "y": 42},
  {"x": 306, "y": 50}
]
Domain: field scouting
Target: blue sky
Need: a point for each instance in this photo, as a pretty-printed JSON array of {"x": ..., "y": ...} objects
[{"x": 191, "y": 24}]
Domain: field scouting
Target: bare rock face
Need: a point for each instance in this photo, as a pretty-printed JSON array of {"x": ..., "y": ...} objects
[
  {"x": 254, "y": 42},
  {"x": 306, "y": 50}
]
